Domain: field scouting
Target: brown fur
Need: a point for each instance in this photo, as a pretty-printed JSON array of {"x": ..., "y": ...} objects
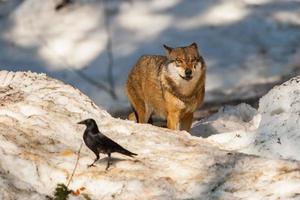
[{"x": 157, "y": 84}]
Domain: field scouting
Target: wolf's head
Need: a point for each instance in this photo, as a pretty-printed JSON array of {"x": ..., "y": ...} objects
[{"x": 185, "y": 63}]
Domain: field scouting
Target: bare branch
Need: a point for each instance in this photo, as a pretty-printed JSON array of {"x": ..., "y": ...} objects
[{"x": 78, "y": 156}]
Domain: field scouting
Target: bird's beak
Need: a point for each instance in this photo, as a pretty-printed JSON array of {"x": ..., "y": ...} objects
[{"x": 82, "y": 122}]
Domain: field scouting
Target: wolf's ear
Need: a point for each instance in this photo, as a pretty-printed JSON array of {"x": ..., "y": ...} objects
[
  {"x": 194, "y": 45},
  {"x": 168, "y": 49}
]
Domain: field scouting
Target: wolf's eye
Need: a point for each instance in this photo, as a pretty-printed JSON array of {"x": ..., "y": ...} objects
[
  {"x": 195, "y": 60},
  {"x": 178, "y": 61}
]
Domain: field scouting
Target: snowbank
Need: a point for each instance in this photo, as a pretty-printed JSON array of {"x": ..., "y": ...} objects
[
  {"x": 39, "y": 140},
  {"x": 278, "y": 133},
  {"x": 272, "y": 131}
]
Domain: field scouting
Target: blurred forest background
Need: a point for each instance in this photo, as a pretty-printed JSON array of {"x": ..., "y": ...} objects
[{"x": 249, "y": 45}]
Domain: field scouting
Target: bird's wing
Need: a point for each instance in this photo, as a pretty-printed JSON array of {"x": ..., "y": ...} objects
[
  {"x": 115, "y": 147},
  {"x": 97, "y": 138},
  {"x": 106, "y": 141},
  {"x": 108, "y": 145}
]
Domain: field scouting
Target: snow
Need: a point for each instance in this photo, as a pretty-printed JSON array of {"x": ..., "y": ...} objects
[
  {"x": 42, "y": 144},
  {"x": 272, "y": 131},
  {"x": 244, "y": 42},
  {"x": 279, "y": 126}
]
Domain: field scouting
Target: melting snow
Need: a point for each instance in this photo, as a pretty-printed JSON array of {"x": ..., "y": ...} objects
[{"x": 38, "y": 149}]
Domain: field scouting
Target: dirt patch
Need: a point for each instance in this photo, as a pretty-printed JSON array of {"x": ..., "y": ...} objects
[{"x": 10, "y": 95}]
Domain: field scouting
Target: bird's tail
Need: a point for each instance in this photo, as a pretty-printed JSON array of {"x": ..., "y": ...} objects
[{"x": 126, "y": 152}]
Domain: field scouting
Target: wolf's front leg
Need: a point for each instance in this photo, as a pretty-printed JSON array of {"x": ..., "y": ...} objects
[
  {"x": 173, "y": 120},
  {"x": 186, "y": 122}
]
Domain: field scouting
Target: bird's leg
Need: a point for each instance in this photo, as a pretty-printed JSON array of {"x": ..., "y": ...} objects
[
  {"x": 108, "y": 161},
  {"x": 97, "y": 158}
]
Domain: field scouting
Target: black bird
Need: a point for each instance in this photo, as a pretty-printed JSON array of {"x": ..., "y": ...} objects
[{"x": 99, "y": 143}]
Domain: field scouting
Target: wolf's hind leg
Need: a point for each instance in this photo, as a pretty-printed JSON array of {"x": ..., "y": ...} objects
[
  {"x": 141, "y": 115},
  {"x": 132, "y": 117},
  {"x": 139, "y": 109}
]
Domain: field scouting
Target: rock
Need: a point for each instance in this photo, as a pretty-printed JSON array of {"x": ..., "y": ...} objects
[{"x": 40, "y": 139}]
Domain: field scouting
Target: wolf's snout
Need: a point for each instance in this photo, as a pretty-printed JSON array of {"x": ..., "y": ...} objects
[{"x": 188, "y": 72}]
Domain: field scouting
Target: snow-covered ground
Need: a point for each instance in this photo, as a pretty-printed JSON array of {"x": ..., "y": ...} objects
[
  {"x": 245, "y": 42},
  {"x": 272, "y": 131},
  {"x": 39, "y": 140}
]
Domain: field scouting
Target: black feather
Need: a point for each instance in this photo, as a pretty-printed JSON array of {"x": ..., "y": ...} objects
[{"x": 99, "y": 143}]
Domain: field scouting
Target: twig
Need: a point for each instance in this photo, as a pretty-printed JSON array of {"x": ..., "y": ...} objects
[{"x": 78, "y": 156}]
